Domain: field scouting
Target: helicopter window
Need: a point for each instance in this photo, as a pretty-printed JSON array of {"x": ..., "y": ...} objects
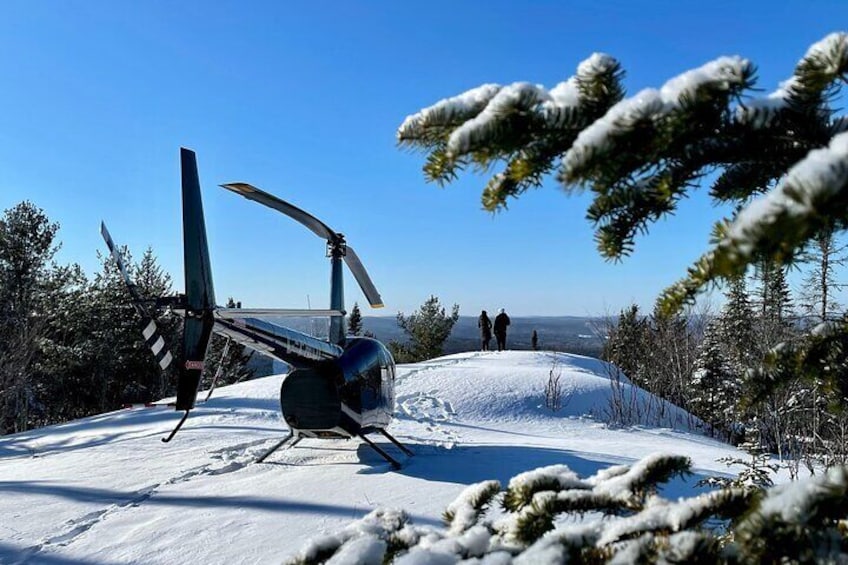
[
  {"x": 388, "y": 392},
  {"x": 388, "y": 373},
  {"x": 373, "y": 378}
]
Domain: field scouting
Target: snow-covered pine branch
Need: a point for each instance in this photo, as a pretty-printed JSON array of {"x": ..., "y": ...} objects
[
  {"x": 797, "y": 521},
  {"x": 642, "y": 478},
  {"x": 642, "y": 154},
  {"x": 522, "y": 487},
  {"x": 463, "y": 512},
  {"x": 519, "y": 99},
  {"x": 823, "y": 64},
  {"x": 429, "y": 125},
  {"x": 523, "y": 124},
  {"x": 364, "y": 538},
  {"x": 718, "y": 78}
]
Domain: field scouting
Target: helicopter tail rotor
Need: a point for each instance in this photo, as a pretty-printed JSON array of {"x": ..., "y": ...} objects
[{"x": 152, "y": 336}]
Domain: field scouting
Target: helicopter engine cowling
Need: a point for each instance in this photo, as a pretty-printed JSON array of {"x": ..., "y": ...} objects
[{"x": 352, "y": 394}]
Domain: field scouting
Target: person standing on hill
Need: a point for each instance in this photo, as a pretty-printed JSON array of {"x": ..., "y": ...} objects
[
  {"x": 485, "y": 325},
  {"x": 501, "y": 322}
]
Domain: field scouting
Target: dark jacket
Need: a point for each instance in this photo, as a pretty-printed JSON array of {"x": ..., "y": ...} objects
[
  {"x": 501, "y": 322},
  {"x": 485, "y": 325}
]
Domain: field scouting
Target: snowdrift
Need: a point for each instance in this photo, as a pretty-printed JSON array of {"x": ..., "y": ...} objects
[{"x": 105, "y": 489}]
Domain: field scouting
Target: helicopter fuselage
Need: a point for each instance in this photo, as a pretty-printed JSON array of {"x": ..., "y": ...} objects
[{"x": 343, "y": 397}]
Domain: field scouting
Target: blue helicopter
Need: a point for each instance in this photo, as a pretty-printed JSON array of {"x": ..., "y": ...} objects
[{"x": 342, "y": 387}]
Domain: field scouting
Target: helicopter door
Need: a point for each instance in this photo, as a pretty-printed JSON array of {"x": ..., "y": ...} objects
[{"x": 309, "y": 398}]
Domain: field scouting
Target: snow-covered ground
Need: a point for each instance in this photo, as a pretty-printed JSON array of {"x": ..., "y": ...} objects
[{"x": 106, "y": 490}]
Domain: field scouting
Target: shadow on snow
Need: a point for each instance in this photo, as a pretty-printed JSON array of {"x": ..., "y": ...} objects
[{"x": 470, "y": 464}]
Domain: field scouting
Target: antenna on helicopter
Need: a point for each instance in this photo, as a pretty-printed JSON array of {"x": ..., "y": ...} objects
[
  {"x": 313, "y": 331},
  {"x": 337, "y": 250}
]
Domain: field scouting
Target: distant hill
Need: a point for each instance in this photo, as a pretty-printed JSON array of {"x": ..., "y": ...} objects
[{"x": 569, "y": 334}]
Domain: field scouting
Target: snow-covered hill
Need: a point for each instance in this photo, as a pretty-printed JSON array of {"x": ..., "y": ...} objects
[{"x": 106, "y": 490}]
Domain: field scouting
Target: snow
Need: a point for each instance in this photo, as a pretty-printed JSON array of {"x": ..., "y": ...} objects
[
  {"x": 621, "y": 485},
  {"x": 564, "y": 94},
  {"x": 791, "y": 502},
  {"x": 560, "y": 474},
  {"x": 455, "y": 108},
  {"x": 463, "y": 507},
  {"x": 366, "y": 550},
  {"x": 760, "y": 112},
  {"x": 722, "y": 73},
  {"x": 596, "y": 64},
  {"x": 832, "y": 50},
  {"x": 105, "y": 489},
  {"x": 516, "y": 97}
]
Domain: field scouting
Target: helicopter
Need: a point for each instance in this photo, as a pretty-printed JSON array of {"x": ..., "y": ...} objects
[{"x": 342, "y": 387}]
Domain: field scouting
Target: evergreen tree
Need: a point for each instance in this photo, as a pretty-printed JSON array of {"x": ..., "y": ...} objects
[
  {"x": 534, "y": 341},
  {"x": 354, "y": 321},
  {"x": 70, "y": 347},
  {"x": 736, "y": 326},
  {"x": 626, "y": 342},
  {"x": 716, "y": 382},
  {"x": 126, "y": 371},
  {"x": 824, "y": 255},
  {"x": 31, "y": 285},
  {"x": 669, "y": 359},
  {"x": 773, "y": 303},
  {"x": 68, "y": 365},
  {"x": 116, "y": 354},
  {"x": 152, "y": 283},
  {"x": 427, "y": 329}
]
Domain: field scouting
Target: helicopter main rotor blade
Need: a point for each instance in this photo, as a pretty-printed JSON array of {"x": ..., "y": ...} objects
[
  {"x": 315, "y": 225},
  {"x": 361, "y": 275}
]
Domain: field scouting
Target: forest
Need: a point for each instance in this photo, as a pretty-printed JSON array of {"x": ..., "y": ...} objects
[{"x": 71, "y": 343}]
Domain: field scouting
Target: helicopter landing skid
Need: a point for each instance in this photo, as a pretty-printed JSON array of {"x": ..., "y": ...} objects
[
  {"x": 395, "y": 465},
  {"x": 280, "y": 444},
  {"x": 399, "y": 445}
]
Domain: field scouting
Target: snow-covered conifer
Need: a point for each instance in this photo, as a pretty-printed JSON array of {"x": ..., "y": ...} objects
[
  {"x": 795, "y": 522},
  {"x": 641, "y": 154},
  {"x": 716, "y": 382}
]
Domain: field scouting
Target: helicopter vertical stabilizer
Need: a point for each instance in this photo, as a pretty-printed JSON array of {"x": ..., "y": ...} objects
[{"x": 200, "y": 294}]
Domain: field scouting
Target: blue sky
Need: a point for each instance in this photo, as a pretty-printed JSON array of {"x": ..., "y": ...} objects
[{"x": 303, "y": 100}]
